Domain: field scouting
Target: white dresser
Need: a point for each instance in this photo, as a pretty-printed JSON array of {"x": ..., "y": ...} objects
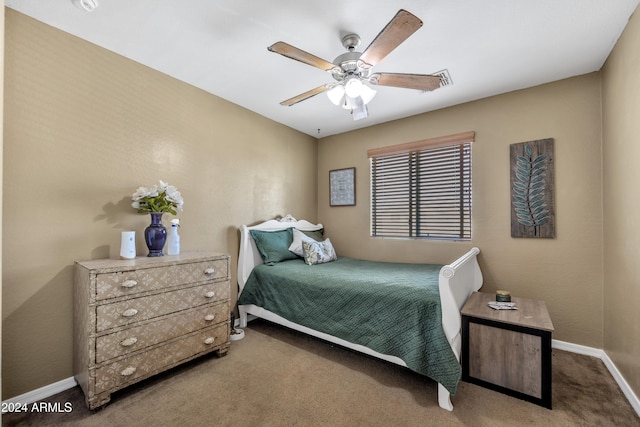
[{"x": 136, "y": 318}]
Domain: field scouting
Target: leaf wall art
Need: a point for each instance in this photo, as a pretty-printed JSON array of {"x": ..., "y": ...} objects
[{"x": 532, "y": 188}]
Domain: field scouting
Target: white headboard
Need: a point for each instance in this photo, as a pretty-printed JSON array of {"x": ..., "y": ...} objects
[{"x": 249, "y": 256}]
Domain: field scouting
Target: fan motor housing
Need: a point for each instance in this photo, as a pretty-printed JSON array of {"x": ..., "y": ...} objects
[
  {"x": 351, "y": 65},
  {"x": 349, "y": 61},
  {"x": 351, "y": 41}
]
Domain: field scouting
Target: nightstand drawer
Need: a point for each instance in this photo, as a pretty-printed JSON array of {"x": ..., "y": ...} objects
[
  {"x": 134, "y": 368},
  {"x": 139, "y": 337},
  {"x": 135, "y": 310},
  {"x": 131, "y": 282}
]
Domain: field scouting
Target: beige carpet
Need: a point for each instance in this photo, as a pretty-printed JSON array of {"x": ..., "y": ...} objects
[{"x": 277, "y": 377}]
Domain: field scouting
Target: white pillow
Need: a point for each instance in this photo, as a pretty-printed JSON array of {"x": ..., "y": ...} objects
[
  {"x": 318, "y": 252},
  {"x": 298, "y": 238}
]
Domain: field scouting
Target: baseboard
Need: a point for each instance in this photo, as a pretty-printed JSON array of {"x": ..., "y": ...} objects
[
  {"x": 577, "y": 348},
  {"x": 613, "y": 370},
  {"x": 43, "y": 392},
  {"x": 624, "y": 386},
  {"x": 62, "y": 385}
]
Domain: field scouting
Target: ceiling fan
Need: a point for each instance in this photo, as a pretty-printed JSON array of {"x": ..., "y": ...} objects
[{"x": 353, "y": 69}]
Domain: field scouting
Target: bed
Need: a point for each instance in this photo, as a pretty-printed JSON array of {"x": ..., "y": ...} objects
[{"x": 407, "y": 314}]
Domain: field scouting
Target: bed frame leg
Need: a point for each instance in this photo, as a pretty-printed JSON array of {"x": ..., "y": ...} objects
[
  {"x": 243, "y": 317},
  {"x": 444, "y": 398}
]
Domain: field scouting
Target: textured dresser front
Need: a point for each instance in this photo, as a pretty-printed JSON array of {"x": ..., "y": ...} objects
[{"x": 136, "y": 318}]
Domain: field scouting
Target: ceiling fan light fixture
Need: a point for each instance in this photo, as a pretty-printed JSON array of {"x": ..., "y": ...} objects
[
  {"x": 367, "y": 94},
  {"x": 340, "y": 95},
  {"x": 353, "y": 87},
  {"x": 335, "y": 94}
]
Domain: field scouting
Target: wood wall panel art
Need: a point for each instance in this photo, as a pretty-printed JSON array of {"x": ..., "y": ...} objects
[{"x": 532, "y": 189}]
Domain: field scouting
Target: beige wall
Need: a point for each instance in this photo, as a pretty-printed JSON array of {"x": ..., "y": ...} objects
[
  {"x": 85, "y": 128},
  {"x": 566, "y": 271},
  {"x": 621, "y": 147}
]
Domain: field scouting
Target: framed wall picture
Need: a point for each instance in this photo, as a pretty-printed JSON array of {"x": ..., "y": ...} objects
[{"x": 342, "y": 187}]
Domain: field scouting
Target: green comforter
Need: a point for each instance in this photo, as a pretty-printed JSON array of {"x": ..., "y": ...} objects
[{"x": 391, "y": 308}]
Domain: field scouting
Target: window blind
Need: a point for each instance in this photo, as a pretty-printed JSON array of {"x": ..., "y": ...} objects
[{"x": 422, "y": 189}]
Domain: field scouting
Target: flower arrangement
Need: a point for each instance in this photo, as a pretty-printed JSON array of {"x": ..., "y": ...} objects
[{"x": 162, "y": 197}]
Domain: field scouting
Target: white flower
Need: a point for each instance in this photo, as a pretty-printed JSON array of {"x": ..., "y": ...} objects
[
  {"x": 143, "y": 192},
  {"x": 173, "y": 195},
  {"x": 159, "y": 198}
]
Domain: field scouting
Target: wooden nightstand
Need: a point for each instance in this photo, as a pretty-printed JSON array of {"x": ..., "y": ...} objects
[{"x": 508, "y": 350}]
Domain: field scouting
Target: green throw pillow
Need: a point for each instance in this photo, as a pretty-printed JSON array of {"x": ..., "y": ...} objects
[
  {"x": 273, "y": 245},
  {"x": 317, "y": 235}
]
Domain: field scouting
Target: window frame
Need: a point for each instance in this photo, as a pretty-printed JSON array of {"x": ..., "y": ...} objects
[{"x": 403, "y": 162}]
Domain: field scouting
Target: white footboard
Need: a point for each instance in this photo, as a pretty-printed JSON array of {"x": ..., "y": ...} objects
[{"x": 457, "y": 281}]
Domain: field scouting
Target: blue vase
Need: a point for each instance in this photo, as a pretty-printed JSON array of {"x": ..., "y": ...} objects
[{"x": 155, "y": 235}]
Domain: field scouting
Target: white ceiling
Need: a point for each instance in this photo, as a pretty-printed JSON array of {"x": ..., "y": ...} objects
[{"x": 489, "y": 47}]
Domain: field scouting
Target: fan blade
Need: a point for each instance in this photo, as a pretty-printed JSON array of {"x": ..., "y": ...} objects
[
  {"x": 292, "y": 52},
  {"x": 409, "y": 81},
  {"x": 397, "y": 30},
  {"x": 313, "y": 92}
]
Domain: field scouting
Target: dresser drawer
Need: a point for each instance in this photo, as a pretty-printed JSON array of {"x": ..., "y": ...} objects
[
  {"x": 138, "y": 337},
  {"x": 113, "y": 375},
  {"x": 134, "y": 310},
  {"x": 131, "y": 282}
]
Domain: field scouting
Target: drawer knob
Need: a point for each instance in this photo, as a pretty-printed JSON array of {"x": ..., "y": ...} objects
[
  {"x": 210, "y": 270},
  {"x": 130, "y": 312},
  {"x": 209, "y": 317},
  {"x": 209, "y": 340},
  {"x": 129, "y": 342},
  {"x": 210, "y": 294},
  {"x": 128, "y": 371},
  {"x": 129, "y": 283}
]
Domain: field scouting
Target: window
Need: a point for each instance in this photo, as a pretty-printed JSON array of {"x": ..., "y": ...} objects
[{"x": 422, "y": 189}]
